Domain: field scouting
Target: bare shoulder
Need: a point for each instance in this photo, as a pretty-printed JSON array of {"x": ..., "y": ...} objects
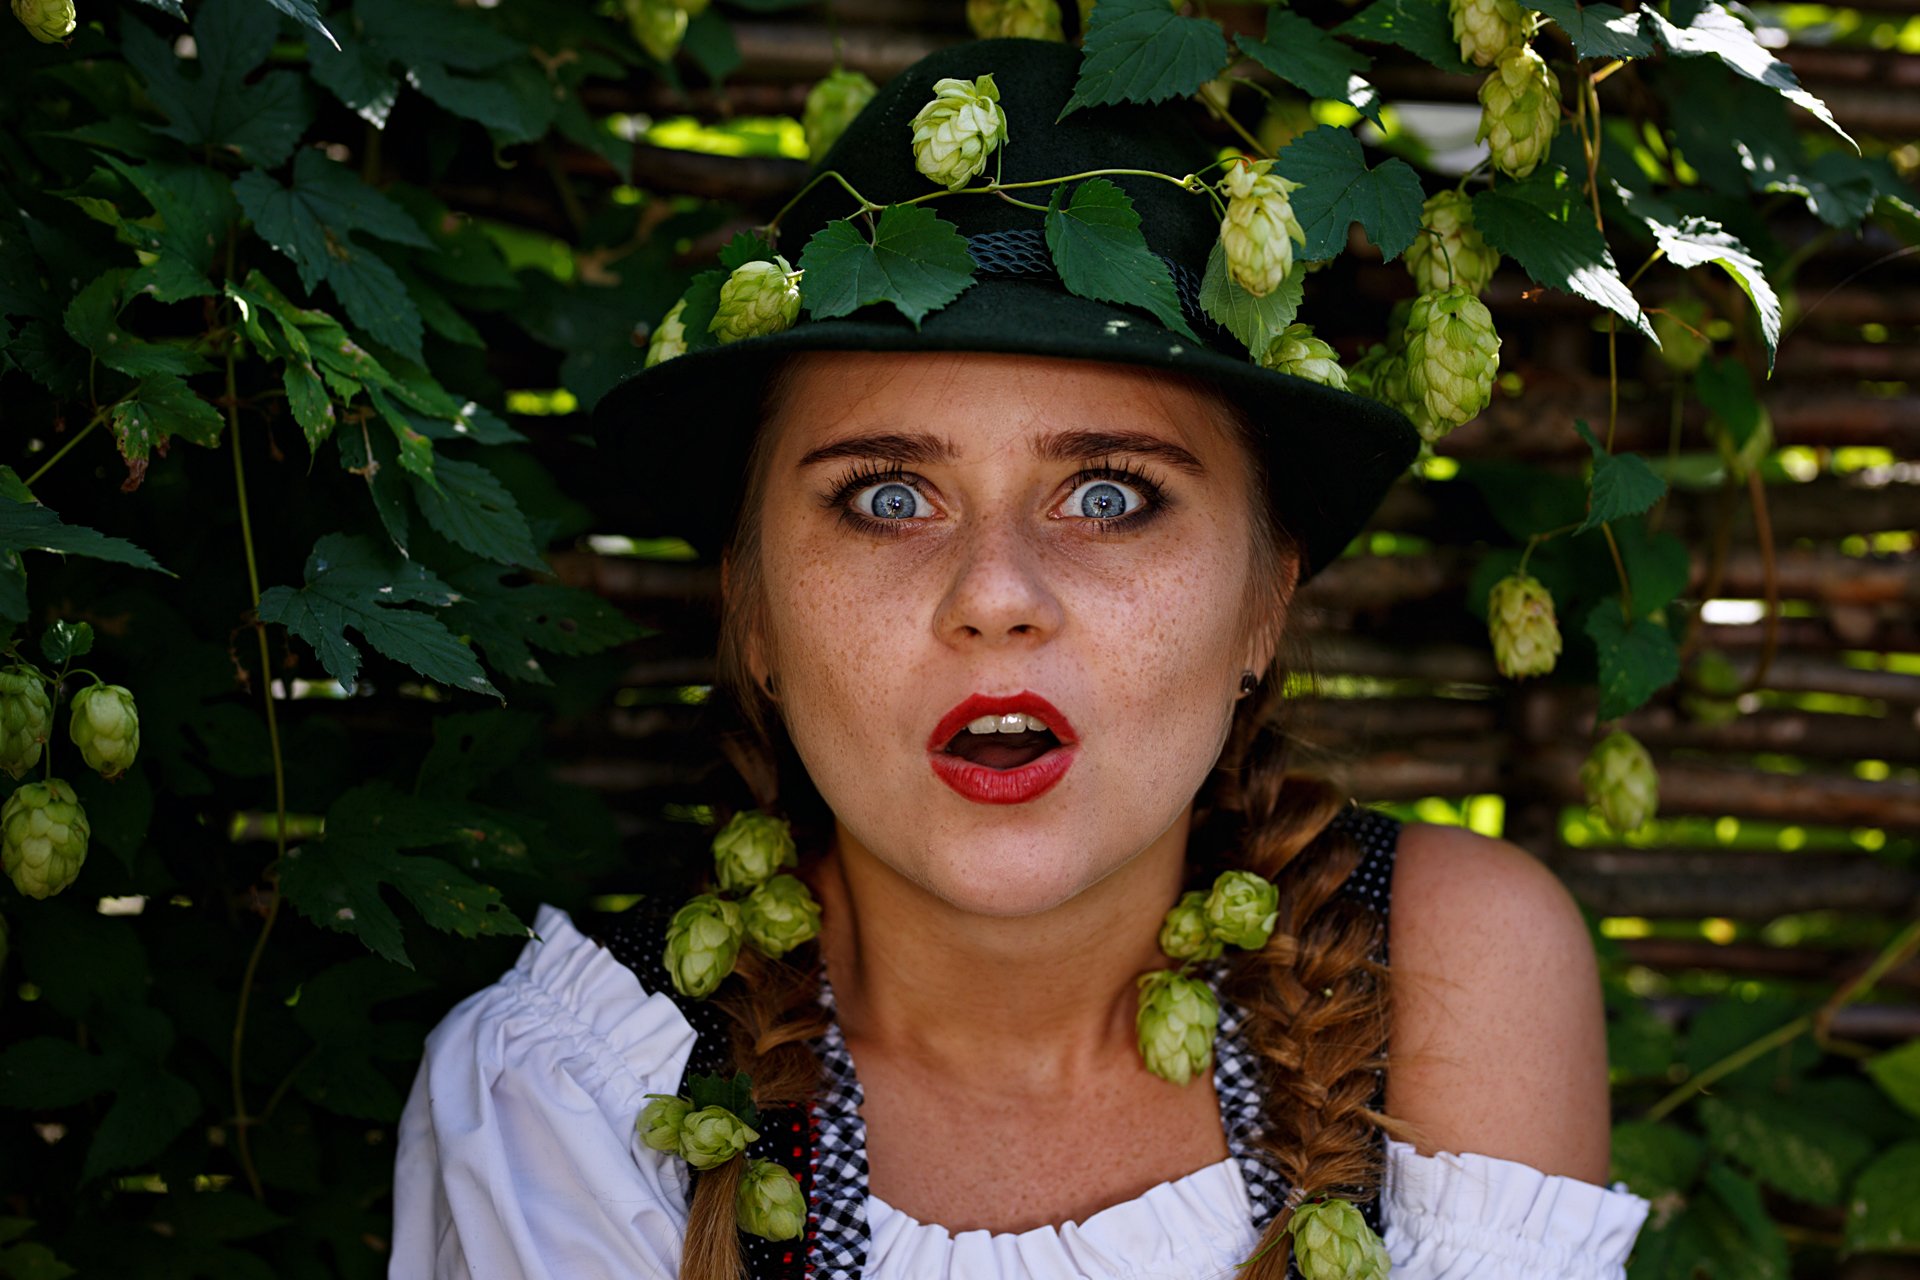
[{"x": 1498, "y": 1039}]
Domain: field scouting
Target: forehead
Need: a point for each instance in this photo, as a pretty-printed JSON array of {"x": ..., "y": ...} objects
[{"x": 982, "y": 402}]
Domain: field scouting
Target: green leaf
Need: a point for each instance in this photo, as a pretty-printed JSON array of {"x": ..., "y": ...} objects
[
  {"x": 1421, "y": 27},
  {"x": 514, "y": 101},
  {"x": 28, "y": 526},
  {"x": 709, "y": 42},
  {"x": 1897, "y": 1072},
  {"x": 1599, "y": 30},
  {"x": 440, "y": 31},
  {"x": 1656, "y": 1159},
  {"x": 1728, "y": 1025},
  {"x": 1698, "y": 241},
  {"x": 357, "y": 74},
  {"x": 470, "y": 508},
  {"x": 44, "y": 1073},
  {"x": 350, "y": 583},
  {"x": 159, "y": 408},
  {"x": 508, "y": 623},
  {"x": 1098, "y": 249},
  {"x": 1726, "y": 389},
  {"x": 1541, "y": 223},
  {"x": 375, "y": 457},
  {"x": 1658, "y": 565},
  {"x": 334, "y": 1007},
  {"x": 260, "y": 120},
  {"x": 1713, "y": 32},
  {"x": 304, "y": 13},
  {"x": 1883, "y": 1213},
  {"x": 473, "y": 747},
  {"x": 1635, "y": 661},
  {"x": 745, "y": 247},
  {"x": 703, "y": 297},
  {"x": 1254, "y": 321},
  {"x": 1142, "y": 51},
  {"x": 1313, "y": 61},
  {"x": 149, "y": 1111},
  {"x": 1810, "y": 1157},
  {"x": 735, "y": 1095},
  {"x": 1337, "y": 190},
  {"x": 64, "y": 641},
  {"x": 1623, "y": 484},
  {"x": 1735, "y": 1235},
  {"x": 196, "y": 208},
  {"x": 308, "y": 400},
  {"x": 93, "y": 321},
  {"x": 917, "y": 262},
  {"x": 335, "y": 882},
  {"x": 308, "y": 219}
]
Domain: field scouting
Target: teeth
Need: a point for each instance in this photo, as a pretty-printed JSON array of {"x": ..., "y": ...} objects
[{"x": 1012, "y": 722}]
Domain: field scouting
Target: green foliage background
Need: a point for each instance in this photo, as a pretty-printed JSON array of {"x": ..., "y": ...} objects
[{"x": 258, "y": 367}]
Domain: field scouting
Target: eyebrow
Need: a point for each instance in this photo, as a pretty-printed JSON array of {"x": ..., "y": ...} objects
[{"x": 918, "y": 448}]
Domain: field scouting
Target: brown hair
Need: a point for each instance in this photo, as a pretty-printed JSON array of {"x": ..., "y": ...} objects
[{"x": 1315, "y": 996}]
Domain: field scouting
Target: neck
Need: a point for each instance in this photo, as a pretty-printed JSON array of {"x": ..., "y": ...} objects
[{"x": 1029, "y": 999}]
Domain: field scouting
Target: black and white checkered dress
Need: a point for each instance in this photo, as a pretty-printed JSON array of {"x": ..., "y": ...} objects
[{"x": 824, "y": 1145}]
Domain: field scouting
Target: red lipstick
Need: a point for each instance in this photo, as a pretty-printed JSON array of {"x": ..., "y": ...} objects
[{"x": 985, "y": 785}]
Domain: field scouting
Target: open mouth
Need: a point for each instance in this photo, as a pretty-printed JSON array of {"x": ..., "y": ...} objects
[{"x": 1002, "y": 742}]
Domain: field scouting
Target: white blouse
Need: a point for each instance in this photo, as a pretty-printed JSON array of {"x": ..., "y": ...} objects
[{"x": 518, "y": 1160}]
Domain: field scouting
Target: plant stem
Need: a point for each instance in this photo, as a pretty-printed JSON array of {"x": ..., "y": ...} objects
[
  {"x": 241, "y": 1120},
  {"x": 1770, "y": 578},
  {"x": 78, "y": 436},
  {"x": 1619, "y": 567}
]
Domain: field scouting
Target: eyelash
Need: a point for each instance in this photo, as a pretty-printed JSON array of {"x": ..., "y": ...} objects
[{"x": 871, "y": 473}]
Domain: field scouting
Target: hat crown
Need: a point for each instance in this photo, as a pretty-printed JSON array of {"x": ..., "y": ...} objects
[{"x": 1035, "y": 79}]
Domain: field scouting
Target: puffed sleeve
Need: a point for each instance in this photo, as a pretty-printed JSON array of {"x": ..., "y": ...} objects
[
  {"x": 1450, "y": 1217},
  {"x": 517, "y": 1155}
]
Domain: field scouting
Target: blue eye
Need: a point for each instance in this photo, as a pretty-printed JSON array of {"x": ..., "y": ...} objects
[
  {"x": 1104, "y": 500},
  {"x": 891, "y": 501}
]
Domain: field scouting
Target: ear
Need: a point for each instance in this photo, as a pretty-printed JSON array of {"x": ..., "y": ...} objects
[
  {"x": 753, "y": 650},
  {"x": 1275, "y": 607}
]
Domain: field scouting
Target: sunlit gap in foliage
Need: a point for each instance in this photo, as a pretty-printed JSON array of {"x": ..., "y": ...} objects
[
  {"x": 130, "y": 905},
  {"x": 1485, "y": 814},
  {"x": 615, "y": 544},
  {"x": 291, "y": 690},
  {"x": 1580, "y": 829},
  {"x": 542, "y": 404},
  {"x": 771, "y": 137}
]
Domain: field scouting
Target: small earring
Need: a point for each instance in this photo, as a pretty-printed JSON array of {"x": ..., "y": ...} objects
[{"x": 1248, "y": 683}]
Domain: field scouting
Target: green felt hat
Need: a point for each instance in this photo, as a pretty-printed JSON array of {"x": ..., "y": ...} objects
[{"x": 1331, "y": 454}]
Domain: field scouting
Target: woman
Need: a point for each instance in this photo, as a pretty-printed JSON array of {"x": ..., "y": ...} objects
[{"x": 1005, "y": 594}]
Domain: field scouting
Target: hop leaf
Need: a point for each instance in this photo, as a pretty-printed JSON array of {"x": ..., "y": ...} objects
[
  {"x": 48, "y": 21},
  {"x": 1453, "y": 353},
  {"x": 712, "y": 1136},
  {"x": 780, "y": 915},
  {"x": 1488, "y": 28},
  {"x": 1176, "y": 1022},
  {"x": 1449, "y": 249},
  {"x": 703, "y": 941},
  {"x": 1519, "y": 111},
  {"x": 757, "y": 299},
  {"x": 1621, "y": 782},
  {"x": 43, "y": 837},
  {"x": 660, "y": 1121},
  {"x": 956, "y": 132},
  {"x": 1184, "y": 934},
  {"x": 1242, "y": 908},
  {"x": 26, "y": 718},
  {"x": 750, "y": 848},
  {"x": 106, "y": 727},
  {"x": 1680, "y": 328},
  {"x": 1521, "y": 624},
  {"x": 1331, "y": 1241},
  {"x": 1260, "y": 229},
  {"x": 658, "y": 26},
  {"x": 1296, "y": 351},
  {"x": 768, "y": 1202},
  {"x": 669, "y": 337},
  {"x": 831, "y": 106},
  {"x": 1027, "y": 19}
]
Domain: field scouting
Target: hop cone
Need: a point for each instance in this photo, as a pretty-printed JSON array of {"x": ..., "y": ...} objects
[
  {"x": 1679, "y": 327},
  {"x": 1331, "y": 1241},
  {"x": 1030, "y": 19},
  {"x": 658, "y": 26},
  {"x": 1184, "y": 934},
  {"x": 26, "y": 718},
  {"x": 48, "y": 21},
  {"x": 831, "y": 106},
  {"x": 1296, "y": 351},
  {"x": 956, "y": 132},
  {"x": 1487, "y": 28},
  {"x": 712, "y": 1136},
  {"x": 750, "y": 848},
  {"x": 106, "y": 728},
  {"x": 1259, "y": 230},
  {"x": 1177, "y": 1018},
  {"x": 757, "y": 299},
  {"x": 1620, "y": 781},
  {"x": 703, "y": 941},
  {"x": 1363, "y": 375},
  {"x": 660, "y": 1121},
  {"x": 1520, "y": 621},
  {"x": 1452, "y": 355},
  {"x": 780, "y": 915},
  {"x": 669, "y": 337},
  {"x": 769, "y": 1203},
  {"x": 1519, "y": 111},
  {"x": 43, "y": 837},
  {"x": 1448, "y": 238},
  {"x": 1242, "y": 909}
]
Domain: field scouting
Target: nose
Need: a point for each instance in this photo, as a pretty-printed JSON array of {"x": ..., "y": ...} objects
[{"x": 999, "y": 593}]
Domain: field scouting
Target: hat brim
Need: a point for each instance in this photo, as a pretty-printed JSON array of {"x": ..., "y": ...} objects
[{"x": 667, "y": 431}]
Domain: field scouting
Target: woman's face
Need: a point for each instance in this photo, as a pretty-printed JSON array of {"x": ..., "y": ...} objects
[{"x": 1007, "y": 604}]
